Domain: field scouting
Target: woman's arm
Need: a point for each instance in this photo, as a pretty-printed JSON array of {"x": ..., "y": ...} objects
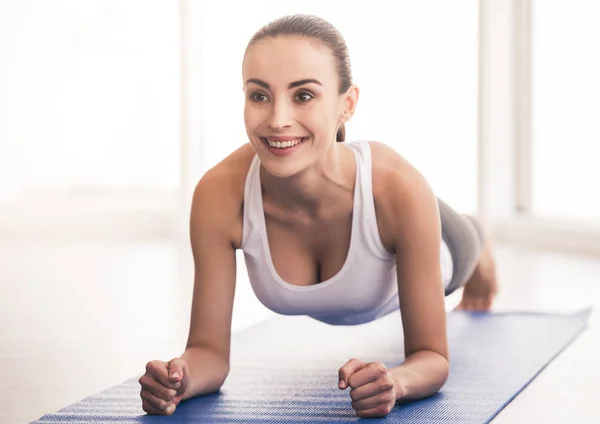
[
  {"x": 409, "y": 214},
  {"x": 409, "y": 226},
  {"x": 215, "y": 225}
]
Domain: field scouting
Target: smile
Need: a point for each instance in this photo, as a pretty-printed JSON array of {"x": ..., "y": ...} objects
[{"x": 284, "y": 144}]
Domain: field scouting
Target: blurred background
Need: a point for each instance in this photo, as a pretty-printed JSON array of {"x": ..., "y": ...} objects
[{"x": 111, "y": 111}]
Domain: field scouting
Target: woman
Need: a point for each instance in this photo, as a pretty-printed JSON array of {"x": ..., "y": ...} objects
[{"x": 342, "y": 232}]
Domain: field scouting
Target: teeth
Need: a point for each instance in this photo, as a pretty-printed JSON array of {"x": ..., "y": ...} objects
[{"x": 284, "y": 144}]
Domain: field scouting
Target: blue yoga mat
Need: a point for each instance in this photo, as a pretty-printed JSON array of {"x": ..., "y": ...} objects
[{"x": 284, "y": 370}]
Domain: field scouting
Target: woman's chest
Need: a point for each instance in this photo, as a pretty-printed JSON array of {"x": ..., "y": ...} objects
[{"x": 310, "y": 252}]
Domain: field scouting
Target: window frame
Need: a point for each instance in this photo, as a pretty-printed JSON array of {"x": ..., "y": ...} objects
[{"x": 505, "y": 163}]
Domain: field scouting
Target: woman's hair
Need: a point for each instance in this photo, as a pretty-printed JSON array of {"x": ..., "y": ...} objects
[{"x": 318, "y": 29}]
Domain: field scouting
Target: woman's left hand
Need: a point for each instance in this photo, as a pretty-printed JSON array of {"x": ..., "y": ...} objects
[{"x": 373, "y": 391}]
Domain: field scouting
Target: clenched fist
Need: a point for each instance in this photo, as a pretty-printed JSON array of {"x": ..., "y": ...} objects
[
  {"x": 163, "y": 386},
  {"x": 372, "y": 389}
]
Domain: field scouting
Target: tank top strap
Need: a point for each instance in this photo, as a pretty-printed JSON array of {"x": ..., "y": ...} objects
[
  {"x": 367, "y": 199},
  {"x": 252, "y": 202}
]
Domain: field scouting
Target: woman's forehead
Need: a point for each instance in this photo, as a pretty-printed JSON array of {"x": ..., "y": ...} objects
[{"x": 289, "y": 58}]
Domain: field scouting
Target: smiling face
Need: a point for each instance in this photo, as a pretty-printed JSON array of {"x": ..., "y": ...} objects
[{"x": 292, "y": 103}]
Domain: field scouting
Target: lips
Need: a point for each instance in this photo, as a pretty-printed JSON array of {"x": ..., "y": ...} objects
[{"x": 283, "y": 138}]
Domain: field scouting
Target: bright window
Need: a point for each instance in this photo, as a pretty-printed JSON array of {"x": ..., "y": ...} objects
[
  {"x": 89, "y": 95},
  {"x": 565, "y": 107}
]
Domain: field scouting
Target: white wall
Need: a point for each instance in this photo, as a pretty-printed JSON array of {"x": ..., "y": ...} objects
[{"x": 89, "y": 116}]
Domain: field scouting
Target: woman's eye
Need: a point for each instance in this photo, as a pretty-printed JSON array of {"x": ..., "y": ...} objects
[
  {"x": 258, "y": 97},
  {"x": 304, "y": 97}
]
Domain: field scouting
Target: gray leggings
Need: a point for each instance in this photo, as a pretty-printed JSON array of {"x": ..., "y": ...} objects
[{"x": 464, "y": 237}]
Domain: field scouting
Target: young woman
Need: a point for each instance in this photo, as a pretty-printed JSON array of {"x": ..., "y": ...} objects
[{"x": 342, "y": 232}]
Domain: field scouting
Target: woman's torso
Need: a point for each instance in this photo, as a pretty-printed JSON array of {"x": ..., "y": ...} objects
[{"x": 339, "y": 267}]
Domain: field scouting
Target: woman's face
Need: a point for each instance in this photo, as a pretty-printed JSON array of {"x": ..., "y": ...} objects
[{"x": 292, "y": 105}]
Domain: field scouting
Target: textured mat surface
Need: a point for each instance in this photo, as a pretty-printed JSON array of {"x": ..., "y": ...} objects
[{"x": 285, "y": 371}]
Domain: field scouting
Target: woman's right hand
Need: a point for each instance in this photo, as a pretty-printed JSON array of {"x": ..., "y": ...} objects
[{"x": 163, "y": 386}]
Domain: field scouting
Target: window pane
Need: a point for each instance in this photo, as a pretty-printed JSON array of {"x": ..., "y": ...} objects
[
  {"x": 416, "y": 66},
  {"x": 565, "y": 107},
  {"x": 89, "y": 94}
]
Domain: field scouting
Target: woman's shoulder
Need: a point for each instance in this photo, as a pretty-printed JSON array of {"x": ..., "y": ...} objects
[
  {"x": 399, "y": 189},
  {"x": 219, "y": 194},
  {"x": 229, "y": 175},
  {"x": 389, "y": 168}
]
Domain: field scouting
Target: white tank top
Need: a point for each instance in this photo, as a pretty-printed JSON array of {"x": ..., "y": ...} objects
[{"x": 364, "y": 289}]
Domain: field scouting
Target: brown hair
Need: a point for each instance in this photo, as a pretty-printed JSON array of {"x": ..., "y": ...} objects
[{"x": 319, "y": 29}]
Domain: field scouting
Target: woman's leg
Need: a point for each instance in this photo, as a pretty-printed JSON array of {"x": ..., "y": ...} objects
[{"x": 473, "y": 263}]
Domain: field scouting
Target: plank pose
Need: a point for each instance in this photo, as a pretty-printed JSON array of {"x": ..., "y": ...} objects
[{"x": 344, "y": 232}]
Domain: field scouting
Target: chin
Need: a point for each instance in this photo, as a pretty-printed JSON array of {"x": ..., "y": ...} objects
[
  {"x": 280, "y": 170},
  {"x": 281, "y": 165}
]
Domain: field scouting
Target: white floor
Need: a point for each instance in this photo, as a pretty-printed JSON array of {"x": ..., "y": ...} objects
[{"x": 79, "y": 317}]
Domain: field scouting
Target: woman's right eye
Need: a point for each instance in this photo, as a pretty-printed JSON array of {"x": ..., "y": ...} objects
[{"x": 258, "y": 97}]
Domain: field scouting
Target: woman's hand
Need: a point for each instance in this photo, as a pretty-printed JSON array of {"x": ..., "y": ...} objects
[
  {"x": 373, "y": 391},
  {"x": 163, "y": 386}
]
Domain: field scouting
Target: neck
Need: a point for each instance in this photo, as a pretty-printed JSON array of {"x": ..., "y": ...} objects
[{"x": 317, "y": 187}]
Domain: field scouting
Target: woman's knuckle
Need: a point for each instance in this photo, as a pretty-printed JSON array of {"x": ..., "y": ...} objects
[
  {"x": 144, "y": 380},
  {"x": 387, "y": 385},
  {"x": 150, "y": 366},
  {"x": 384, "y": 408}
]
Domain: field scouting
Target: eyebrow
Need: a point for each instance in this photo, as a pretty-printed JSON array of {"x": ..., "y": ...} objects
[{"x": 290, "y": 85}]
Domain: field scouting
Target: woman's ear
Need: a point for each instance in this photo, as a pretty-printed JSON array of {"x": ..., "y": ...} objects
[{"x": 350, "y": 99}]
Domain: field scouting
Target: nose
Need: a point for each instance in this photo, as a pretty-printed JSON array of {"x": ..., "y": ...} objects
[{"x": 281, "y": 116}]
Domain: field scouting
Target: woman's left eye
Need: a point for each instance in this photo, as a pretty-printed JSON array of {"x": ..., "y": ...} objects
[
  {"x": 304, "y": 97},
  {"x": 258, "y": 97}
]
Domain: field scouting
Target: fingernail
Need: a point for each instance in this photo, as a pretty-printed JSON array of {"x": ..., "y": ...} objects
[
  {"x": 175, "y": 375},
  {"x": 342, "y": 384}
]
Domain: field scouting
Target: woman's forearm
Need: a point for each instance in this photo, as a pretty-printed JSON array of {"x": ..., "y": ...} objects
[
  {"x": 207, "y": 369},
  {"x": 422, "y": 374}
]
